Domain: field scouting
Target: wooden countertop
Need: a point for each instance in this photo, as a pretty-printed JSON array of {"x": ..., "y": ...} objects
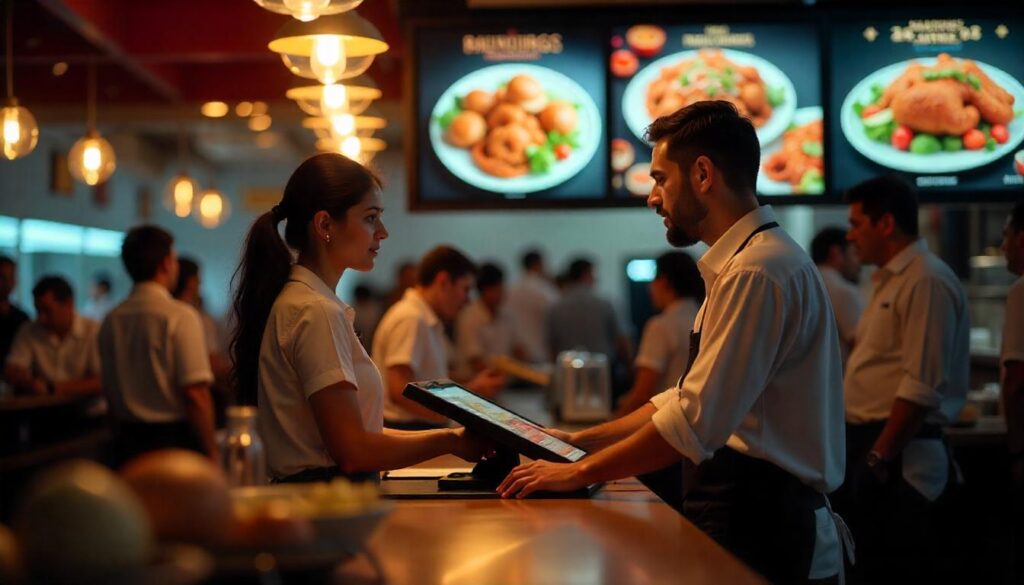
[{"x": 624, "y": 534}]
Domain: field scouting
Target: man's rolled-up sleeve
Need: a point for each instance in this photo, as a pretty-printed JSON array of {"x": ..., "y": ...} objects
[
  {"x": 928, "y": 341},
  {"x": 740, "y": 337}
]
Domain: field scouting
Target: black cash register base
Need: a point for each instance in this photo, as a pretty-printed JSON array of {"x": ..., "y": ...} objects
[{"x": 514, "y": 435}]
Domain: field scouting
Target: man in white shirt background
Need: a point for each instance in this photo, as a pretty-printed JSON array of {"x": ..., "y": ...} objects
[
  {"x": 56, "y": 353},
  {"x": 409, "y": 344},
  {"x": 1011, "y": 360},
  {"x": 758, "y": 419},
  {"x": 837, "y": 260},
  {"x": 156, "y": 369},
  {"x": 676, "y": 291},
  {"x": 528, "y": 303},
  {"x": 906, "y": 377},
  {"x": 484, "y": 329}
]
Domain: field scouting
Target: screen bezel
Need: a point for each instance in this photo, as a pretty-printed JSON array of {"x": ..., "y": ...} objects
[{"x": 420, "y": 392}]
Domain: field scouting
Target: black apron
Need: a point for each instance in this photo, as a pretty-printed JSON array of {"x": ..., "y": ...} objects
[{"x": 758, "y": 511}]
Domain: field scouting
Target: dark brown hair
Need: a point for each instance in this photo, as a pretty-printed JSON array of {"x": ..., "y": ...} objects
[
  {"x": 325, "y": 182},
  {"x": 144, "y": 249},
  {"x": 444, "y": 259},
  {"x": 887, "y": 194},
  {"x": 716, "y": 130}
]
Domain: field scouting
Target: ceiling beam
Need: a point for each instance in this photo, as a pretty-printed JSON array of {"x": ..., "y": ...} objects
[{"x": 84, "y": 19}]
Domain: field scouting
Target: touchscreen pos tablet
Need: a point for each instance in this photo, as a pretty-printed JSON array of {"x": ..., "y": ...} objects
[{"x": 515, "y": 435}]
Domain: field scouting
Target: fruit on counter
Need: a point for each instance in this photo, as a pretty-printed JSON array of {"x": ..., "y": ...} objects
[
  {"x": 186, "y": 496},
  {"x": 10, "y": 557},
  {"x": 646, "y": 39},
  {"x": 80, "y": 520},
  {"x": 270, "y": 524},
  {"x": 623, "y": 63}
]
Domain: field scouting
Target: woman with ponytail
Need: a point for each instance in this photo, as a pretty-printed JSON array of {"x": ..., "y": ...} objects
[{"x": 296, "y": 355}]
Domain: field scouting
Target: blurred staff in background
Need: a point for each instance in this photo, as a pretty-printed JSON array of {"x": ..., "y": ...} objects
[{"x": 11, "y": 317}]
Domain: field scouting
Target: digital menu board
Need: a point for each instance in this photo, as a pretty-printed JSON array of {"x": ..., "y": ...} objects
[
  {"x": 510, "y": 114},
  {"x": 937, "y": 100},
  {"x": 771, "y": 72}
]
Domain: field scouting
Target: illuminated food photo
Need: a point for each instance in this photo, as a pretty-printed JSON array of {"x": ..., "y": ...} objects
[{"x": 797, "y": 165}]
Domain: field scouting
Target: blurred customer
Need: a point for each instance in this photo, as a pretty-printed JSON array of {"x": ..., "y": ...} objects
[
  {"x": 11, "y": 317},
  {"x": 188, "y": 290},
  {"x": 56, "y": 354},
  {"x": 409, "y": 344},
  {"x": 581, "y": 320},
  {"x": 529, "y": 302},
  {"x": 156, "y": 368},
  {"x": 368, "y": 314},
  {"x": 405, "y": 278},
  {"x": 906, "y": 378},
  {"x": 484, "y": 328},
  {"x": 1012, "y": 376},
  {"x": 839, "y": 265},
  {"x": 677, "y": 292},
  {"x": 100, "y": 298}
]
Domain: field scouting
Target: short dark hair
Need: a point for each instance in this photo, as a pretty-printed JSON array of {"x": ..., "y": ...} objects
[
  {"x": 445, "y": 259},
  {"x": 144, "y": 249},
  {"x": 532, "y": 259},
  {"x": 7, "y": 260},
  {"x": 887, "y": 194},
  {"x": 822, "y": 243},
  {"x": 681, "y": 273},
  {"x": 579, "y": 268},
  {"x": 187, "y": 269},
  {"x": 53, "y": 284},
  {"x": 1017, "y": 217},
  {"x": 716, "y": 130},
  {"x": 103, "y": 279},
  {"x": 489, "y": 275}
]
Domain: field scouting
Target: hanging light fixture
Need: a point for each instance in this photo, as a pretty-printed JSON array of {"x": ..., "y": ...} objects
[
  {"x": 20, "y": 131},
  {"x": 180, "y": 193},
  {"x": 307, "y": 10},
  {"x": 340, "y": 125},
  {"x": 92, "y": 159},
  {"x": 212, "y": 208},
  {"x": 329, "y": 49},
  {"x": 351, "y": 146},
  {"x": 325, "y": 100}
]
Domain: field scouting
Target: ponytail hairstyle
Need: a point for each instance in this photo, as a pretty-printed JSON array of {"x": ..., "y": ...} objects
[{"x": 326, "y": 182}]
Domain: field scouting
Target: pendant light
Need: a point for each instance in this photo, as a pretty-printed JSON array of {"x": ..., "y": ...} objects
[
  {"x": 329, "y": 49},
  {"x": 92, "y": 159},
  {"x": 351, "y": 146},
  {"x": 181, "y": 192},
  {"x": 20, "y": 131},
  {"x": 325, "y": 100},
  {"x": 307, "y": 10},
  {"x": 340, "y": 125},
  {"x": 212, "y": 208}
]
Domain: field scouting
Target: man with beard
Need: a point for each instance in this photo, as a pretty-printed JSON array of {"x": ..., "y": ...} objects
[{"x": 758, "y": 417}]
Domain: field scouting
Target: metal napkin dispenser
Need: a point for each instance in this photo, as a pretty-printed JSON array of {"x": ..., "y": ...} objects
[{"x": 582, "y": 386}]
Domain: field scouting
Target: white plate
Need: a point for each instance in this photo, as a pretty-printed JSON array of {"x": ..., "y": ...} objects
[
  {"x": 940, "y": 162},
  {"x": 459, "y": 160},
  {"x": 766, "y": 186},
  {"x": 634, "y": 99}
]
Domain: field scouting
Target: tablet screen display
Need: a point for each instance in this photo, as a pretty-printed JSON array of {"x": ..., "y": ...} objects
[{"x": 507, "y": 420}]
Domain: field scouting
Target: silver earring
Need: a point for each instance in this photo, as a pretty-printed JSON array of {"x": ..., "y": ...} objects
[{"x": 327, "y": 238}]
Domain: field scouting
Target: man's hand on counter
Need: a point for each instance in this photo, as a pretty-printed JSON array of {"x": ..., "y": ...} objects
[
  {"x": 541, "y": 475},
  {"x": 469, "y": 446}
]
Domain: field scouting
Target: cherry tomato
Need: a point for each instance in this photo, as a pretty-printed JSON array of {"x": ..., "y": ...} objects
[
  {"x": 974, "y": 139},
  {"x": 901, "y": 137},
  {"x": 870, "y": 110},
  {"x": 562, "y": 151},
  {"x": 1000, "y": 133}
]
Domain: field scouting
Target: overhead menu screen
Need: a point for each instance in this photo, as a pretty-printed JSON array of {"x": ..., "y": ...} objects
[
  {"x": 937, "y": 100},
  {"x": 771, "y": 72},
  {"x": 510, "y": 114}
]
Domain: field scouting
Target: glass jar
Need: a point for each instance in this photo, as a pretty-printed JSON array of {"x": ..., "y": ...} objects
[{"x": 243, "y": 457}]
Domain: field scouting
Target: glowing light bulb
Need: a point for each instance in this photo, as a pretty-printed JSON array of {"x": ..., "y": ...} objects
[
  {"x": 210, "y": 206},
  {"x": 92, "y": 158},
  {"x": 306, "y": 10},
  {"x": 334, "y": 100},
  {"x": 328, "y": 59},
  {"x": 20, "y": 132},
  {"x": 183, "y": 194},
  {"x": 213, "y": 208},
  {"x": 351, "y": 147},
  {"x": 343, "y": 124}
]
